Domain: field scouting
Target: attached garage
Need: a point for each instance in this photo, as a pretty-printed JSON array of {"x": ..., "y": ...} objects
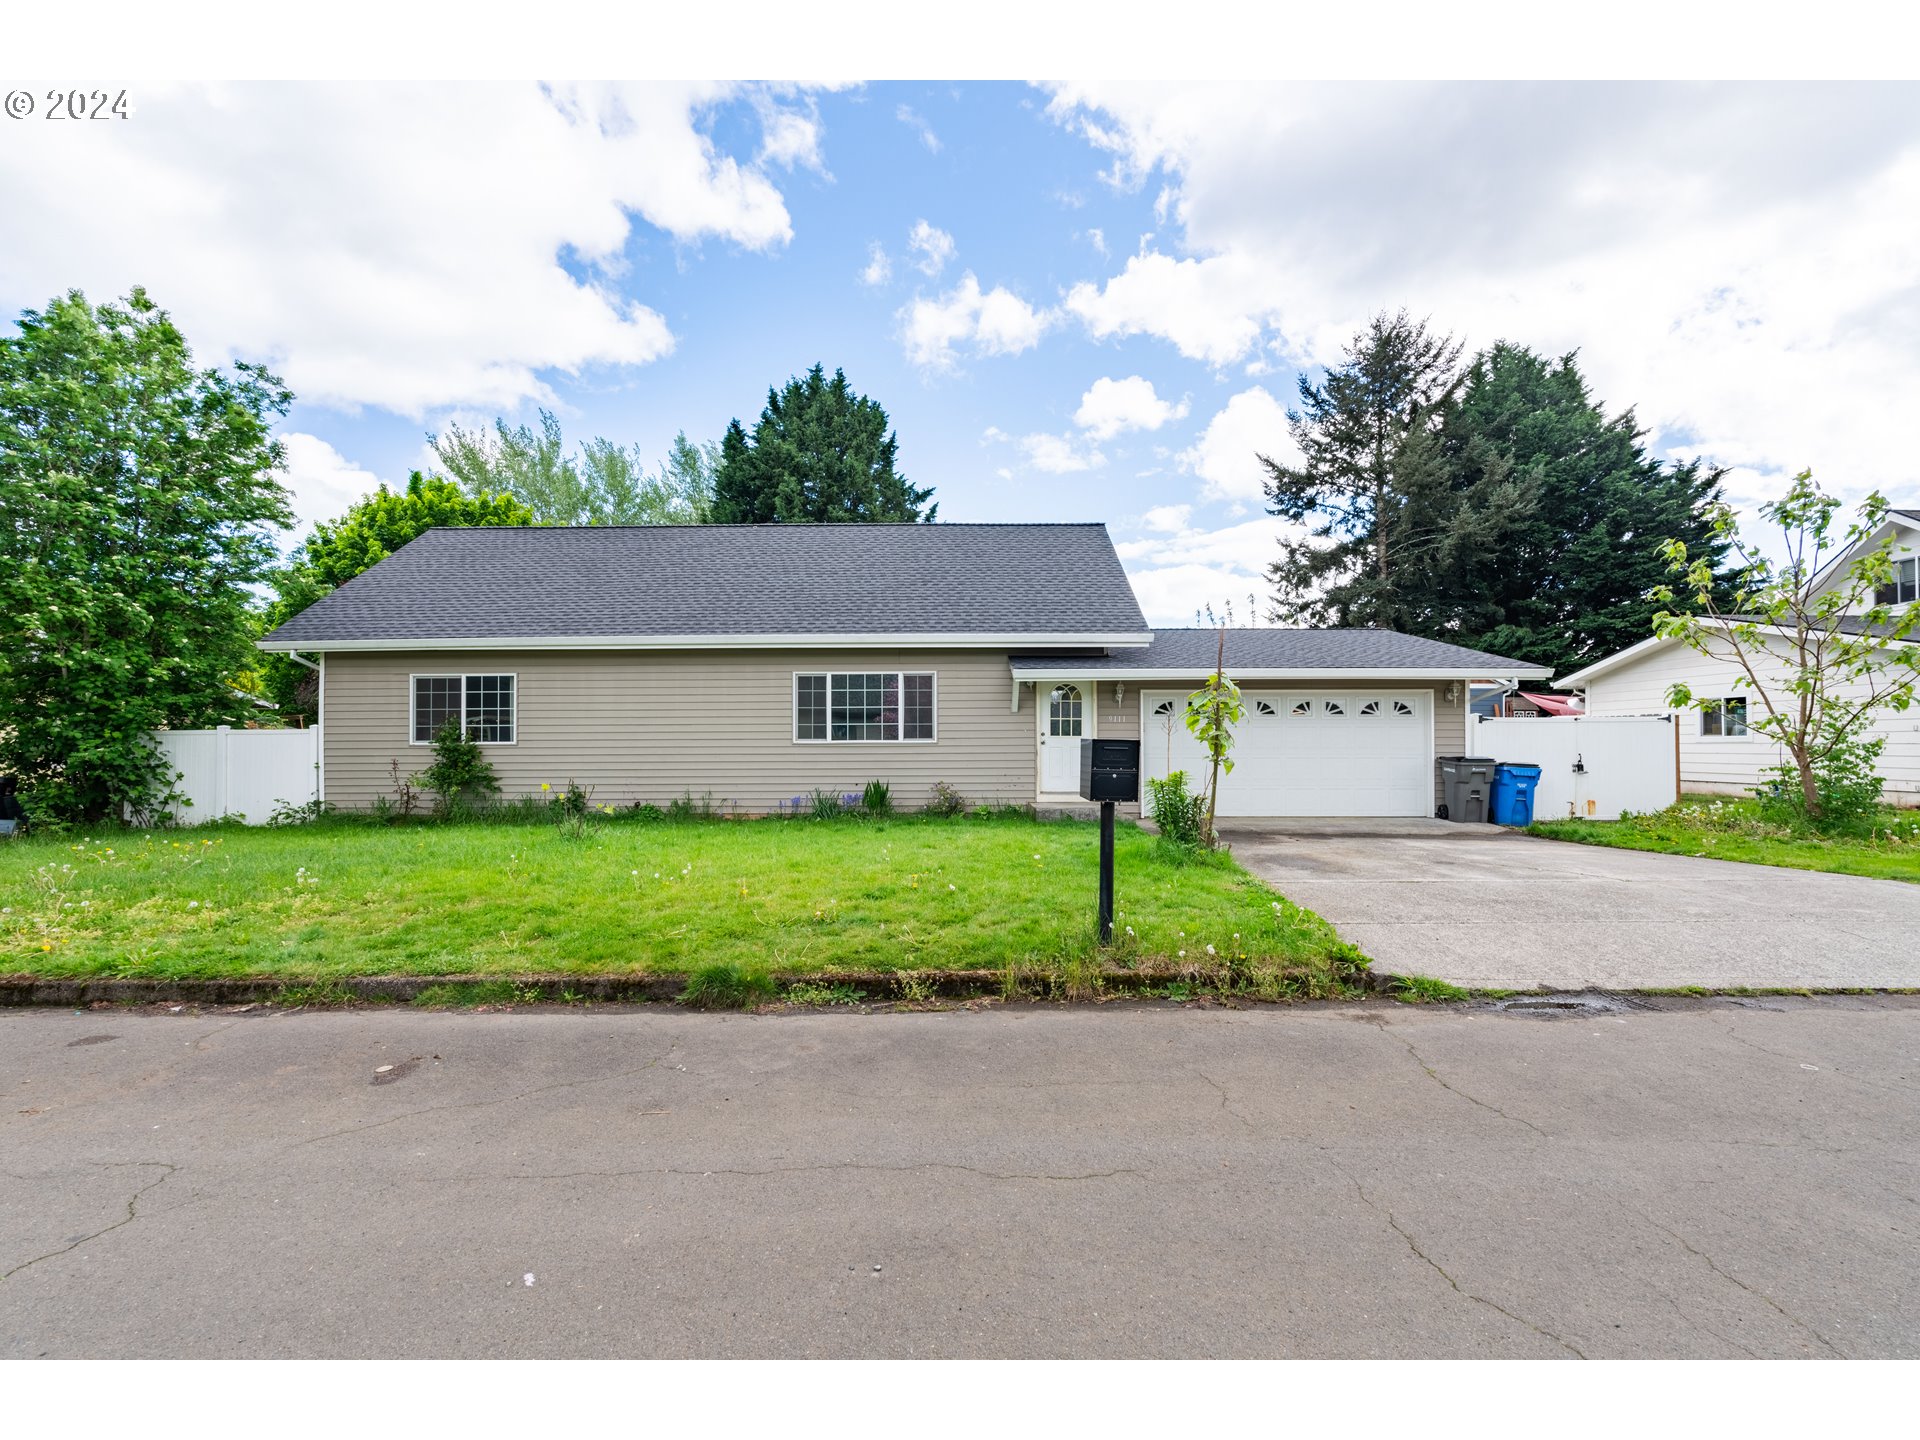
[
  {"x": 1319, "y": 751},
  {"x": 1338, "y": 722}
]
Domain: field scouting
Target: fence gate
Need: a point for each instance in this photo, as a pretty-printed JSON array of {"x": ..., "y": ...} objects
[
  {"x": 241, "y": 773},
  {"x": 1592, "y": 767}
]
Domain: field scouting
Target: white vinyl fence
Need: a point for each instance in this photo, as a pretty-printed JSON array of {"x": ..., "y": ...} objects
[
  {"x": 1592, "y": 767},
  {"x": 241, "y": 773}
]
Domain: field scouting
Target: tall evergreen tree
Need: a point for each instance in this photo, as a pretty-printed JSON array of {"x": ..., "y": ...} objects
[
  {"x": 1569, "y": 581},
  {"x": 1373, "y": 487},
  {"x": 819, "y": 453},
  {"x": 138, "y": 498}
]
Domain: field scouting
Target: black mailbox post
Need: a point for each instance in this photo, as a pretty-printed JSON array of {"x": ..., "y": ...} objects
[{"x": 1109, "y": 771}]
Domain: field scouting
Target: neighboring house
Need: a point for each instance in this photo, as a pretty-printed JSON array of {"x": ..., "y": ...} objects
[
  {"x": 754, "y": 664},
  {"x": 1496, "y": 701},
  {"x": 1719, "y": 753}
]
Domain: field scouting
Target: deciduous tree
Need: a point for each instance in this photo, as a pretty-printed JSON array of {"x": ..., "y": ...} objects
[
  {"x": 138, "y": 499},
  {"x": 604, "y": 484},
  {"x": 1820, "y": 656}
]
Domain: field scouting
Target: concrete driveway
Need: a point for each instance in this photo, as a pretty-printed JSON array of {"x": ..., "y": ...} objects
[{"x": 1482, "y": 906}]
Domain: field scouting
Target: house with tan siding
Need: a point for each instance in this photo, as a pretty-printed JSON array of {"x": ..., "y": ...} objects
[{"x": 754, "y": 664}]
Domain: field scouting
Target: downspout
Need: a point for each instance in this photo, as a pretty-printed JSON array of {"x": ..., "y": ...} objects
[{"x": 319, "y": 738}]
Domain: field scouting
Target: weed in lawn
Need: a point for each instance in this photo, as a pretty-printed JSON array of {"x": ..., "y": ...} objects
[
  {"x": 320, "y": 992},
  {"x": 688, "y": 808},
  {"x": 725, "y": 986},
  {"x": 915, "y": 988},
  {"x": 1425, "y": 990},
  {"x": 946, "y": 800},
  {"x": 812, "y": 992}
]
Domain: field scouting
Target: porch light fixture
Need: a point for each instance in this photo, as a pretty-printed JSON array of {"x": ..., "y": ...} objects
[
  {"x": 1453, "y": 691},
  {"x": 1119, "y": 692}
]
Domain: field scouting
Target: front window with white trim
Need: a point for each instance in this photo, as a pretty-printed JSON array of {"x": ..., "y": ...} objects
[
  {"x": 1724, "y": 719},
  {"x": 1904, "y": 586},
  {"x": 482, "y": 706},
  {"x": 863, "y": 705}
]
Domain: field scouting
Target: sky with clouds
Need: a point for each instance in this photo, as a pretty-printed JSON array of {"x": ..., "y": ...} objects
[{"x": 1076, "y": 301}]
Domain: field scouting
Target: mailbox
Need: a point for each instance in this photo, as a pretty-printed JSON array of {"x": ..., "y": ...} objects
[{"x": 1110, "y": 770}]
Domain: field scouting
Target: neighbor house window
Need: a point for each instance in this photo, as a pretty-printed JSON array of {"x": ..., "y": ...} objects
[
  {"x": 1725, "y": 718},
  {"x": 482, "y": 705},
  {"x": 1905, "y": 585},
  {"x": 859, "y": 705}
]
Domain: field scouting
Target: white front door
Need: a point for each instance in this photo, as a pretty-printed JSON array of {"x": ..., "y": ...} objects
[
  {"x": 1307, "y": 752},
  {"x": 1066, "y": 714}
]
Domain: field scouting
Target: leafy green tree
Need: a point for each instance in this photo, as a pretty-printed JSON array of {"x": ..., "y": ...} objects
[
  {"x": 604, "y": 484},
  {"x": 1565, "y": 580},
  {"x": 1820, "y": 655},
  {"x": 1368, "y": 475},
  {"x": 1210, "y": 714},
  {"x": 138, "y": 497},
  {"x": 372, "y": 529},
  {"x": 819, "y": 452}
]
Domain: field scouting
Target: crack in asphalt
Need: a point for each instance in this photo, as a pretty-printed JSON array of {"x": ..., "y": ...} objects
[
  {"x": 1734, "y": 1034},
  {"x": 1435, "y": 1076},
  {"x": 1225, "y": 1100},
  {"x": 200, "y": 1042},
  {"x": 483, "y": 1104},
  {"x": 1440, "y": 1270},
  {"x": 1700, "y": 1324},
  {"x": 781, "y": 1170},
  {"x": 133, "y": 1212},
  {"x": 1737, "y": 1282}
]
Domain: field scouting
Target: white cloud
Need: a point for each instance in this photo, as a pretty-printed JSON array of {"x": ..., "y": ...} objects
[
  {"x": 1226, "y": 456},
  {"x": 993, "y": 322},
  {"x": 1171, "y": 518},
  {"x": 878, "y": 269},
  {"x": 790, "y": 137},
  {"x": 1097, "y": 238},
  {"x": 1212, "y": 310},
  {"x": 933, "y": 245},
  {"x": 322, "y": 480},
  {"x": 909, "y": 117},
  {"x": 1176, "y": 569},
  {"x": 406, "y": 256},
  {"x": 1737, "y": 261},
  {"x": 1050, "y": 454},
  {"x": 1112, "y": 406}
]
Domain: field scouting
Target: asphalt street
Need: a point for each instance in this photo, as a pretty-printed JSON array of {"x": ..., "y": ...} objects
[{"x": 1655, "y": 1178}]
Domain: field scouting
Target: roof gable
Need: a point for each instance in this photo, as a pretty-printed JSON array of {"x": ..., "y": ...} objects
[{"x": 731, "y": 584}]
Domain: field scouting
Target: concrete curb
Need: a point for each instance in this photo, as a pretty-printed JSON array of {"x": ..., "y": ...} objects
[{"x": 20, "y": 991}]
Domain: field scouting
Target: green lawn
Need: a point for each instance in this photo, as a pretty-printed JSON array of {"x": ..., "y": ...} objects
[
  {"x": 337, "y": 899},
  {"x": 1733, "y": 829}
]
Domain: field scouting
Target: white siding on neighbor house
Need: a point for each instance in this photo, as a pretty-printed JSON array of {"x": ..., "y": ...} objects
[
  {"x": 651, "y": 726},
  {"x": 1717, "y": 765}
]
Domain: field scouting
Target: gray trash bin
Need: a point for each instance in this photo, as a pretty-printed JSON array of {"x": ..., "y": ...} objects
[{"x": 1465, "y": 784}]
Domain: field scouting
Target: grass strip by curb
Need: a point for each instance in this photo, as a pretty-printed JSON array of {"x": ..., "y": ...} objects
[{"x": 21, "y": 991}]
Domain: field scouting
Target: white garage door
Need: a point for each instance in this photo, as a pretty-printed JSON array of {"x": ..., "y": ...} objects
[{"x": 1307, "y": 752}]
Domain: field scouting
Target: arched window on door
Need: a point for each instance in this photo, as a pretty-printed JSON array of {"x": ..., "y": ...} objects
[{"x": 1064, "y": 712}]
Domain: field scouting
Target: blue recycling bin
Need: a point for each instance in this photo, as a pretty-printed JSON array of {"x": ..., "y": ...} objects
[{"x": 1511, "y": 800}]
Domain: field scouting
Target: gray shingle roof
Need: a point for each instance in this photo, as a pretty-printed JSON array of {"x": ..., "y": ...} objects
[
  {"x": 1273, "y": 649},
  {"x": 679, "y": 581}
]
